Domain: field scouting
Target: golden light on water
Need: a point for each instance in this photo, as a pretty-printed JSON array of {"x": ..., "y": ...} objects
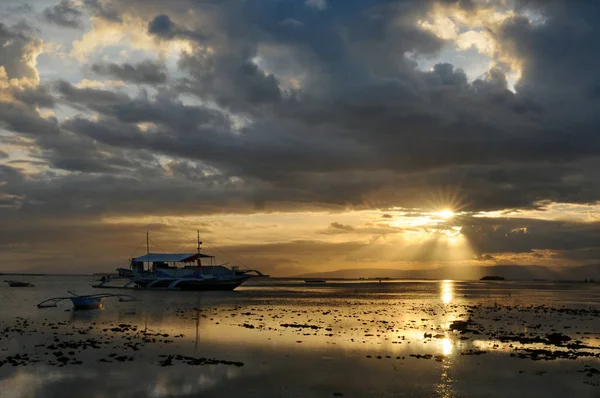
[
  {"x": 447, "y": 291},
  {"x": 447, "y": 346}
]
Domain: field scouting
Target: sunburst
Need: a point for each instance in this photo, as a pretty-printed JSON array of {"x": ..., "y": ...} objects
[{"x": 445, "y": 214}]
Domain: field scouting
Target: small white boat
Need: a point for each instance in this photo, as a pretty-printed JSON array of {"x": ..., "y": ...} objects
[{"x": 87, "y": 302}]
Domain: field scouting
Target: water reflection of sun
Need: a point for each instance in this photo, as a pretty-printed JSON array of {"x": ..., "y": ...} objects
[
  {"x": 447, "y": 346},
  {"x": 447, "y": 291}
]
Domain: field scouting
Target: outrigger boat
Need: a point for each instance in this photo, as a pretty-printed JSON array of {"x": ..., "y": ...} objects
[
  {"x": 19, "y": 284},
  {"x": 87, "y": 302},
  {"x": 178, "y": 271}
]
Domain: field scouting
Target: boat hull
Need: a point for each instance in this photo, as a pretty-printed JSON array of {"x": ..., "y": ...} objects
[
  {"x": 87, "y": 303},
  {"x": 226, "y": 285},
  {"x": 190, "y": 284}
]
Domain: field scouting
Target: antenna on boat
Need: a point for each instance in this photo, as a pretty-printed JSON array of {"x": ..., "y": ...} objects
[{"x": 147, "y": 243}]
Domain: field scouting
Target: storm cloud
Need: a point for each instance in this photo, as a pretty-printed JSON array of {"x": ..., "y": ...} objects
[
  {"x": 65, "y": 14},
  {"x": 269, "y": 106},
  {"x": 143, "y": 72}
]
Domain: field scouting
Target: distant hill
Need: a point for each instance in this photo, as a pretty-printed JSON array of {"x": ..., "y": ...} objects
[{"x": 509, "y": 272}]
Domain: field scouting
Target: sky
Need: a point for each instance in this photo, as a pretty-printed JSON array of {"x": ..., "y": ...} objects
[{"x": 299, "y": 135}]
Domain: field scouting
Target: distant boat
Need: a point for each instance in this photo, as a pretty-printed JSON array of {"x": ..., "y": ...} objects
[
  {"x": 87, "y": 302},
  {"x": 19, "y": 284},
  {"x": 315, "y": 281},
  {"x": 492, "y": 278}
]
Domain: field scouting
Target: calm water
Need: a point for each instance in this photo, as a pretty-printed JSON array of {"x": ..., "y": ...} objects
[{"x": 288, "y": 339}]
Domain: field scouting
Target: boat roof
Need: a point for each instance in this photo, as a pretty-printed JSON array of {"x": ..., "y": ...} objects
[{"x": 170, "y": 257}]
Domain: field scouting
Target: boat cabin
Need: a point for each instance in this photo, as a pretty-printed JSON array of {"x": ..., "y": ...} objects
[{"x": 162, "y": 261}]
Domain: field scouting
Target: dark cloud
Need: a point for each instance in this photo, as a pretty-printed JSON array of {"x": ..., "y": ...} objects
[
  {"x": 79, "y": 97},
  {"x": 103, "y": 10},
  {"x": 20, "y": 94},
  {"x": 39, "y": 96},
  {"x": 488, "y": 236},
  {"x": 276, "y": 106},
  {"x": 17, "y": 51},
  {"x": 348, "y": 171},
  {"x": 17, "y": 117},
  {"x": 65, "y": 14},
  {"x": 147, "y": 72},
  {"x": 563, "y": 30},
  {"x": 337, "y": 228},
  {"x": 356, "y": 131},
  {"x": 163, "y": 27},
  {"x": 558, "y": 57},
  {"x": 140, "y": 182},
  {"x": 122, "y": 111},
  {"x": 242, "y": 83},
  {"x": 19, "y": 9},
  {"x": 190, "y": 171},
  {"x": 76, "y": 153},
  {"x": 374, "y": 230}
]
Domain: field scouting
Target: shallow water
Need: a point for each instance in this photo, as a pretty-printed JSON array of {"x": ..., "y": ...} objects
[{"x": 282, "y": 338}]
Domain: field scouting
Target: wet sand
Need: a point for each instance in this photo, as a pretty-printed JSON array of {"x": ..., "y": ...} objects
[{"x": 289, "y": 339}]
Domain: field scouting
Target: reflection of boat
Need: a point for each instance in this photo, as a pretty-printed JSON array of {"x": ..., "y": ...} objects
[
  {"x": 315, "y": 281},
  {"x": 19, "y": 284},
  {"x": 180, "y": 271},
  {"x": 86, "y": 302}
]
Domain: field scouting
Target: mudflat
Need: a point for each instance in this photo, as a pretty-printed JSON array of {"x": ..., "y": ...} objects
[{"x": 282, "y": 338}]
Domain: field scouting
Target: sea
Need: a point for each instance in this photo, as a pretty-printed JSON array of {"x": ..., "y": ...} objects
[{"x": 287, "y": 338}]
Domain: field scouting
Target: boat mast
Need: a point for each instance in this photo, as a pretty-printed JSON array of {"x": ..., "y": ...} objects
[
  {"x": 147, "y": 244},
  {"x": 199, "y": 243}
]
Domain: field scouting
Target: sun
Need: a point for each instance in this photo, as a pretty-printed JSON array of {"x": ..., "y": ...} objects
[{"x": 445, "y": 214}]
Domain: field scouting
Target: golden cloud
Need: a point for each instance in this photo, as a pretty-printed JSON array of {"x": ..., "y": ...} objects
[
  {"x": 87, "y": 83},
  {"x": 131, "y": 32},
  {"x": 474, "y": 28}
]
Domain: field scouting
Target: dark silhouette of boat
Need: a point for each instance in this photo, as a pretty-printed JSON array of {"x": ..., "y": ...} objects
[
  {"x": 315, "y": 281},
  {"x": 19, "y": 284},
  {"x": 492, "y": 278}
]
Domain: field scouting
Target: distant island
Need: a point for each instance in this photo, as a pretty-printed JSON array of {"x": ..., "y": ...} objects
[
  {"x": 511, "y": 272},
  {"x": 492, "y": 278}
]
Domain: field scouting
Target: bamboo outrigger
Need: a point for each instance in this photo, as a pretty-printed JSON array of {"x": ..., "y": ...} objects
[{"x": 86, "y": 302}]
